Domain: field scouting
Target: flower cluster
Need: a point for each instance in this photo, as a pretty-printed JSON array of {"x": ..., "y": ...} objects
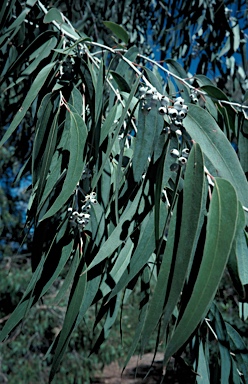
[
  {"x": 181, "y": 159},
  {"x": 193, "y": 96},
  {"x": 81, "y": 218},
  {"x": 175, "y": 110}
]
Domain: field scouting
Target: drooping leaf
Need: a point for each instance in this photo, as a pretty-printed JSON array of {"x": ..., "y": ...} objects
[
  {"x": 202, "y": 369},
  {"x": 227, "y": 110},
  {"x": 194, "y": 196},
  {"x": 121, "y": 82},
  {"x": 221, "y": 229},
  {"x": 116, "y": 238},
  {"x": 142, "y": 253},
  {"x": 239, "y": 349},
  {"x": 156, "y": 304},
  {"x": 178, "y": 70},
  {"x": 44, "y": 159},
  {"x": 75, "y": 300},
  {"x": 205, "y": 131},
  {"x": 147, "y": 123},
  {"x": 31, "y": 95},
  {"x": 108, "y": 125},
  {"x": 78, "y": 134},
  {"x": 144, "y": 303},
  {"x": 117, "y": 130},
  {"x": 223, "y": 342}
]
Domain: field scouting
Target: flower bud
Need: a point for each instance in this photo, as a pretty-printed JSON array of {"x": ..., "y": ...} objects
[
  {"x": 174, "y": 152},
  {"x": 164, "y": 101},
  {"x": 174, "y": 167},
  {"x": 185, "y": 152},
  {"x": 173, "y": 113},
  {"x": 182, "y": 160},
  {"x": 162, "y": 110}
]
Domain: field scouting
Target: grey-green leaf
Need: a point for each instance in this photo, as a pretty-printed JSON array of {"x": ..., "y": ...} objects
[
  {"x": 221, "y": 229},
  {"x": 31, "y": 95},
  {"x": 204, "y": 130},
  {"x": 78, "y": 134}
]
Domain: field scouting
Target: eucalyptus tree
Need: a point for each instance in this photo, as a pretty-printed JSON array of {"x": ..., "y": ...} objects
[{"x": 136, "y": 187}]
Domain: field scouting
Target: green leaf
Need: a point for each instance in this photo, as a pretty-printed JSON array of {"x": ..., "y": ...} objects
[
  {"x": 115, "y": 239},
  {"x": 121, "y": 82},
  {"x": 43, "y": 117},
  {"x": 112, "y": 313},
  {"x": 202, "y": 368},
  {"x": 157, "y": 83},
  {"x": 203, "y": 80},
  {"x": 123, "y": 68},
  {"x": 142, "y": 253},
  {"x": 236, "y": 379},
  {"x": 238, "y": 262},
  {"x": 78, "y": 134},
  {"x": 31, "y": 95},
  {"x": 194, "y": 199},
  {"x": 144, "y": 143},
  {"x": 47, "y": 155},
  {"x": 108, "y": 125},
  {"x": 141, "y": 318},
  {"x": 156, "y": 304},
  {"x": 239, "y": 349},
  {"x": 41, "y": 53},
  {"x": 223, "y": 342},
  {"x": 92, "y": 287},
  {"x": 30, "y": 50},
  {"x": 75, "y": 300},
  {"x": 204, "y": 130},
  {"x": 232, "y": 266},
  {"x": 67, "y": 281},
  {"x": 178, "y": 70},
  {"x": 47, "y": 271},
  {"x": 53, "y": 15},
  {"x": 115, "y": 136},
  {"x": 242, "y": 145},
  {"x": 118, "y": 31},
  {"x": 221, "y": 229},
  {"x": 242, "y": 252},
  {"x": 226, "y": 110}
]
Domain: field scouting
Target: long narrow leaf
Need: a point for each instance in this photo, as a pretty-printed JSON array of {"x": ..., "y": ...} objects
[
  {"x": 78, "y": 134},
  {"x": 221, "y": 228},
  {"x": 75, "y": 301},
  {"x": 31, "y": 95},
  {"x": 205, "y": 131},
  {"x": 192, "y": 212}
]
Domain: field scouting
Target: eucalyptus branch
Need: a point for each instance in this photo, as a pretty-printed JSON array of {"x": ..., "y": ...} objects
[
  {"x": 199, "y": 91},
  {"x": 114, "y": 51},
  {"x": 169, "y": 73}
]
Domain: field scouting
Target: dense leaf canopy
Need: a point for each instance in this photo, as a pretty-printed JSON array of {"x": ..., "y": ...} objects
[{"x": 130, "y": 119}]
